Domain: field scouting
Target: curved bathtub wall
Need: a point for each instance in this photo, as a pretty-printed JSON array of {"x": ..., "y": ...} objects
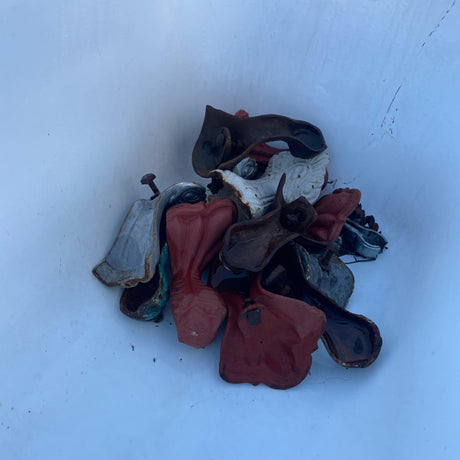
[{"x": 95, "y": 94}]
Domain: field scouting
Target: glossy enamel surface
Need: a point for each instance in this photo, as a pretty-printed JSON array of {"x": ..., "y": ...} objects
[{"x": 96, "y": 93}]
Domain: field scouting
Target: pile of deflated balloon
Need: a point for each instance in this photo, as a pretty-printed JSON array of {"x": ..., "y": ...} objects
[{"x": 258, "y": 255}]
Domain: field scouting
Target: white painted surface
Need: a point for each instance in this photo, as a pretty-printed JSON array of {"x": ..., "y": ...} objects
[
  {"x": 304, "y": 177},
  {"x": 92, "y": 91}
]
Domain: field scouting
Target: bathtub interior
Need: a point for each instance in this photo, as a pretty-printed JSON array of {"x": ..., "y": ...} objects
[{"x": 95, "y": 95}]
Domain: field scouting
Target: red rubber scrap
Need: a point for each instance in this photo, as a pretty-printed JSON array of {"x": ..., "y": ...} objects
[
  {"x": 269, "y": 338},
  {"x": 194, "y": 233},
  {"x": 262, "y": 152},
  {"x": 333, "y": 210}
]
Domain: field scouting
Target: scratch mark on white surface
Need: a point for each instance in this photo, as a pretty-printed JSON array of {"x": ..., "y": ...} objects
[
  {"x": 436, "y": 27},
  {"x": 391, "y": 103},
  {"x": 389, "y": 128},
  {"x": 349, "y": 182},
  {"x": 371, "y": 141}
]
